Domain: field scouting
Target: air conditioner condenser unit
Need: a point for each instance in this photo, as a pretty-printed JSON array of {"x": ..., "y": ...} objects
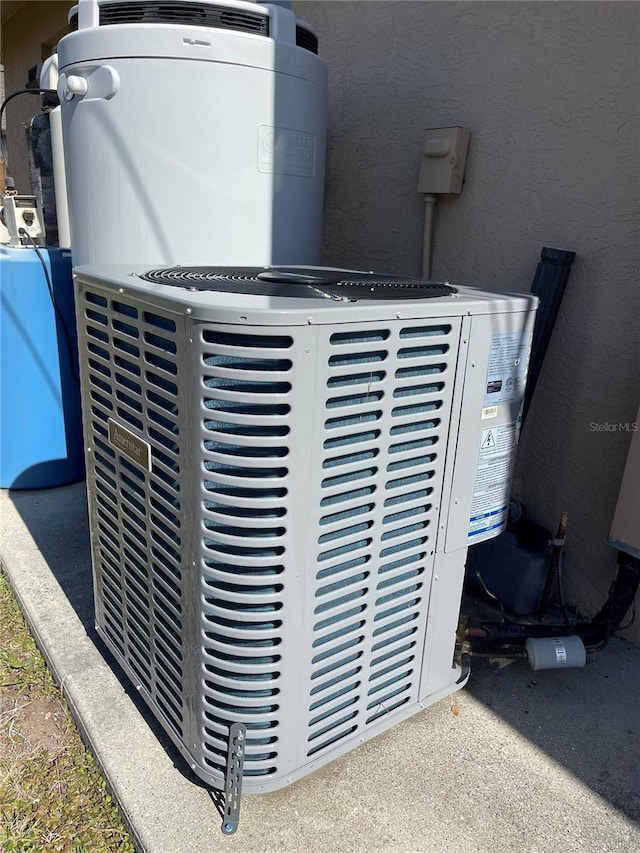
[{"x": 285, "y": 469}]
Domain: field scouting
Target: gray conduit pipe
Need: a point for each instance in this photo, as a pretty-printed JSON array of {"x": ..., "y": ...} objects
[{"x": 427, "y": 241}]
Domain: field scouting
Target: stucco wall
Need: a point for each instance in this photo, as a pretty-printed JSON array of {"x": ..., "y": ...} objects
[
  {"x": 25, "y": 36},
  {"x": 550, "y": 92}
]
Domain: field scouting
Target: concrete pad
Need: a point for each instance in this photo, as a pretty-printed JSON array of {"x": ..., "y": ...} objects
[{"x": 533, "y": 762}]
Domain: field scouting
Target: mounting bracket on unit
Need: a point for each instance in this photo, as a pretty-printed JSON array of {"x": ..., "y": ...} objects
[{"x": 233, "y": 781}]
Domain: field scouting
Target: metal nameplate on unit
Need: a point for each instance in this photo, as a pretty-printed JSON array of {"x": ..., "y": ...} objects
[{"x": 130, "y": 444}]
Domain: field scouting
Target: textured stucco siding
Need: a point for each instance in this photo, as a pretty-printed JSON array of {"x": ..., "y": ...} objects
[
  {"x": 551, "y": 95},
  {"x": 27, "y": 36}
]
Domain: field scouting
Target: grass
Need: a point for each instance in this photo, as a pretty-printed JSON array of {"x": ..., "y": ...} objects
[{"x": 52, "y": 794}]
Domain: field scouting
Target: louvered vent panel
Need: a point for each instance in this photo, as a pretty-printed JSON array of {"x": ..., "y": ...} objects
[
  {"x": 350, "y": 463},
  {"x": 247, "y": 401},
  {"x": 416, "y": 439},
  {"x": 131, "y": 377},
  {"x": 385, "y": 414}
]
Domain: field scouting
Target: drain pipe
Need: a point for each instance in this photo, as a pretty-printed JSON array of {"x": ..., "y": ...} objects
[{"x": 549, "y": 283}]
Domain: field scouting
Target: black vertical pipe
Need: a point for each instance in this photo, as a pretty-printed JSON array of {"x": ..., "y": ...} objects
[{"x": 548, "y": 285}]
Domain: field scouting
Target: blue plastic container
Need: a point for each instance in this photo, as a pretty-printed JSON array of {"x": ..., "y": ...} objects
[{"x": 41, "y": 441}]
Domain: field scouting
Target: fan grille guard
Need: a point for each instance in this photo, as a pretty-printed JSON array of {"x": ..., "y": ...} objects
[{"x": 301, "y": 283}]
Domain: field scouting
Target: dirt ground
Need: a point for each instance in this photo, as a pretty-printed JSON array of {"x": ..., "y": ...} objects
[{"x": 52, "y": 794}]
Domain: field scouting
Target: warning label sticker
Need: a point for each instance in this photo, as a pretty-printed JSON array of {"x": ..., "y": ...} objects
[
  {"x": 507, "y": 370},
  {"x": 492, "y": 488},
  {"x": 488, "y": 439}
]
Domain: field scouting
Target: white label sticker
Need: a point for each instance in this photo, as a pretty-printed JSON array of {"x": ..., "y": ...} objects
[
  {"x": 490, "y": 505},
  {"x": 561, "y": 651},
  {"x": 489, "y": 412},
  {"x": 507, "y": 370},
  {"x": 286, "y": 151}
]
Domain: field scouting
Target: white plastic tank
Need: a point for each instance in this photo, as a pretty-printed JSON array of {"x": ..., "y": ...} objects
[{"x": 194, "y": 133}]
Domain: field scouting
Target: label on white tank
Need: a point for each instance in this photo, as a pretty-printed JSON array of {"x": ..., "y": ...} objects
[
  {"x": 490, "y": 505},
  {"x": 561, "y": 652},
  {"x": 286, "y": 151},
  {"x": 507, "y": 370}
]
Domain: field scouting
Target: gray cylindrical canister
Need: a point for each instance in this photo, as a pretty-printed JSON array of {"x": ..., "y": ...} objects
[{"x": 556, "y": 652}]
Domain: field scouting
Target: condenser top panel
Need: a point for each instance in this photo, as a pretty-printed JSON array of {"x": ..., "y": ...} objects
[
  {"x": 307, "y": 283},
  {"x": 273, "y": 294}
]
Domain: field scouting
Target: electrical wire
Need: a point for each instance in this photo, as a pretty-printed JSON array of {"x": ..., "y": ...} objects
[
  {"x": 3, "y": 149},
  {"x": 71, "y": 351},
  {"x": 563, "y": 605},
  {"x": 491, "y": 595}
]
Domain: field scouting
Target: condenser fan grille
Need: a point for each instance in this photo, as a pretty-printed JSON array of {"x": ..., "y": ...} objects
[{"x": 302, "y": 283}]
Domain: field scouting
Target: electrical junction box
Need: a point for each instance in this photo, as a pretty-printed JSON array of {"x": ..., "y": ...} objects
[
  {"x": 443, "y": 161},
  {"x": 285, "y": 468},
  {"x": 21, "y": 211}
]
